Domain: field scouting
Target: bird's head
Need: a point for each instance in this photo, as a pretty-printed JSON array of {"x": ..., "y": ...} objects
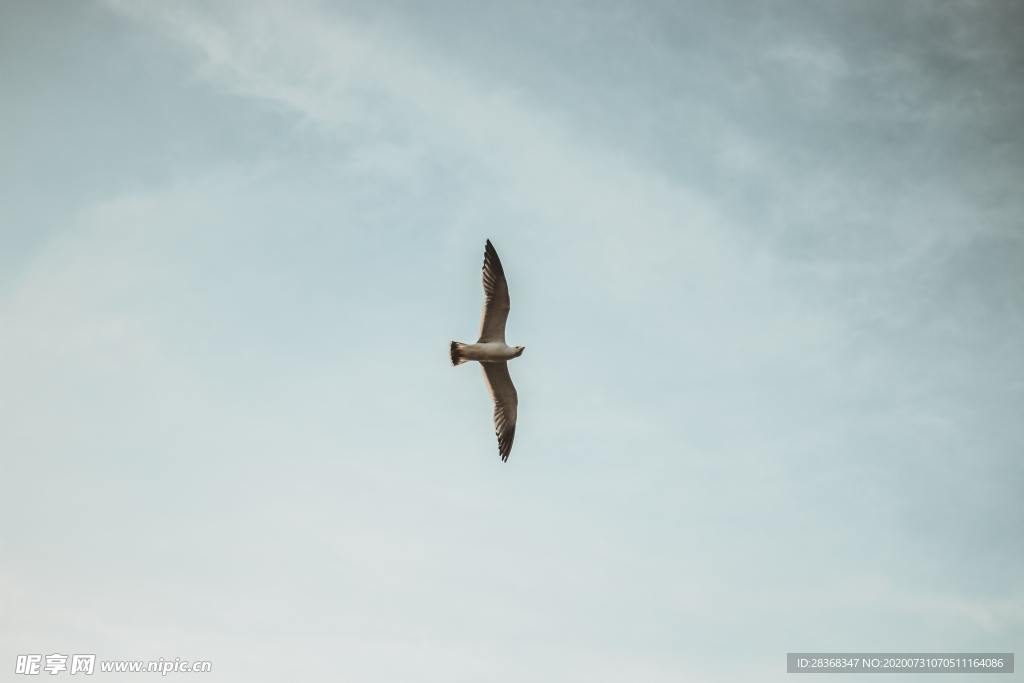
[{"x": 519, "y": 351}]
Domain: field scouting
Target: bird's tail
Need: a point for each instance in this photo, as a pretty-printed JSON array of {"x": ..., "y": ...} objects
[{"x": 458, "y": 355}]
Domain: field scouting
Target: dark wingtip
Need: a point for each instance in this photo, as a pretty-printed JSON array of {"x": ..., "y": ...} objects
[{"x": 491, "y": 255}]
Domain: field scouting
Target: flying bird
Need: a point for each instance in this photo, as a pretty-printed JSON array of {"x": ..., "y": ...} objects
[{"x": 493, "y": 354}]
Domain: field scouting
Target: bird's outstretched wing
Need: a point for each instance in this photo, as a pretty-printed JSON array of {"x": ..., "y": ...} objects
[
  {"x": 496, "y": 302},
  {"x": 506, "y": 405}
]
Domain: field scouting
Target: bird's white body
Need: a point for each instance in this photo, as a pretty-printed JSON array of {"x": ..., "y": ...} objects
[{"x": 490, "y": 352}]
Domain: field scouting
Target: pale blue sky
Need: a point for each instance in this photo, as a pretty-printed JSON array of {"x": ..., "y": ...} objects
[{"x": 766, "y": 259}]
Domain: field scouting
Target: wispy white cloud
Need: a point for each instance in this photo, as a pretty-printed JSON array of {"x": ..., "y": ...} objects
[{"x": 356, "y": 78}]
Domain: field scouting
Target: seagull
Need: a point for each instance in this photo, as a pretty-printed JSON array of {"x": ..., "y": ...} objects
[{"x": 493, "y": 354}]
